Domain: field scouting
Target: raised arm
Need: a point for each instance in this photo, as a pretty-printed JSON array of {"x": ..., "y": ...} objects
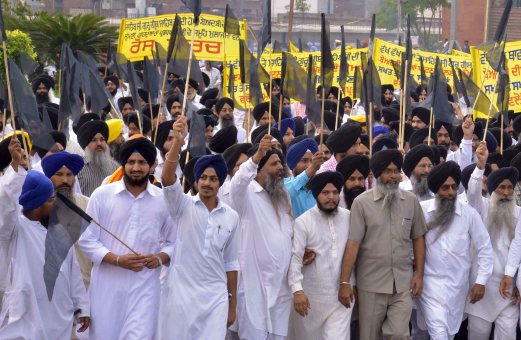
[{"x": 474, "y": 196}]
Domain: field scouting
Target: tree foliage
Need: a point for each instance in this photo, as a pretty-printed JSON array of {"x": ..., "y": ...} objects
[
  {"x": 301, "y": 6},
  {"x": 422, "y": 14}
]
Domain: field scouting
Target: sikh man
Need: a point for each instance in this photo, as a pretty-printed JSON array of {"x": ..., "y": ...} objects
[
  {"x": 224, "y": 108},
  {"x": 384, "y": 221},
  {"x": 99, "y": 164},
  {"x": 453, "y": 227},
  {"x": 324, "y": 228},
  {"x": 27, "y": 312},
  {"x": 125, "y": 288},
  {"x": 234, "y": 157},
  {"x": 417, "y": 164},
  {"x": 344, "y": 141},
  {"x": 258, "y": 195},
  {"x": 204, "y": 271},
  {"x": 354, "y": 169},
  {"x": 41, "y": 87},
  {"x": 500, "y": 214},
  {"x": 303, "y": 160}
]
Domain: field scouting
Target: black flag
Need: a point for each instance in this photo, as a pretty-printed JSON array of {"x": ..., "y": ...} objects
[
  {"x": 342, "y": 77},
  {"x": 231, "y": 24},
  {"x": 2, "y": 25},
  {"x": 195, "y": 7},
  {"x": 265, "y": 33},
  {"x": 197, "y": 140},
  {"x": 424, "y": 81},
  {"x": 327, "y": 65},
  {"x": 173, "y": 35},
  {"x": 294, "y": 79},
  {"x": 438, "y": 98}
]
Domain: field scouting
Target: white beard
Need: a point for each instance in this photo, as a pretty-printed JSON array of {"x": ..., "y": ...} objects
[{"x": 500, "y": 215}]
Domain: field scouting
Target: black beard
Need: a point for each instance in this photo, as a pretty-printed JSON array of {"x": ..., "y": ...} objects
[
  {"x": 42, "y": 98},
  {"x": 328, "y": 212},
  {"x": 227, "y": 122},
  {"x": 135, "y": 182},
  {"x": 113, "y": 93},
  {"x": 351, "y": 194}
]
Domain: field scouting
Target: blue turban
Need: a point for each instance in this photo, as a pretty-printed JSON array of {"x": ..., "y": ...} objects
[
  {"x": 36, "y": 190},
  {"x": 285, "y": 124},
  {"x": 297, "y": 151},
  {"x": 52, "y": 163},
  {"x": 211, "y": 161}
]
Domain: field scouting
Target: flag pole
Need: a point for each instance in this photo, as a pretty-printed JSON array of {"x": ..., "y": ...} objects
[
  {"x": 271, "y": 89},
  {"x": 404, "y": 106},
  {"x": 371, "y": 129},
  {"x": 430, "y": 126},
  {"x": 150, "y": 107},
  {"x": 161, "y": 101},
  {"x": 501, "y": 137},
  {"x": 489, "y": 109},
  {"x": 247, "y": 111},
  {"x": 482, "y": 82},
  {"x": 3, "y": 123},
  {"x": 322, "y": 115},
  {"x": 338, "y": 106}
]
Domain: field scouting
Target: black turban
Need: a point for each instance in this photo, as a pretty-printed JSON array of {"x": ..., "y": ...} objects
[
  {"x": 318, "y": 182},
  {"x": 439, "y": 152},
  {"x": 193, "y": 83},
  {"x": 386, "y": 87},
  {"x": 146, "y": 111},
  {"x": 384, "y": 143},
  {"x": 516, "y": 162},
  {"x": 299, "y": 126},
  {"x": 123, "y": 101},
  {"x": 516, "y": 125},
  {"x": 467, "y": 172},
  {"x": 171, "y": 100},
  {"x": 223, "y": 139},
  {"x": 419, "y": 136},
  {"x": 52, "y": 112},
  {"x": 330, "y": 119},
  {"x": 350, "y": 164},
  {"x": 274, "y": 133},
  {"x": 498, "y": 176},
  {"x": 209, "y": 94},
  {"x": 440, "y": 173},
  {"x": 88, "y": 130},
  {"x": 146, "y": 123},
  {"x": 84, "y": 118},
  {"x": 163, "y": 130},
  {"x": 188, "y": 170},
  {"x": 390, "y": 115},
  {"x": 381, "y": 160},
  {"x": 220, "y": 103},
  {"x": 264, "y": 159},
  {"x": 210, "y": 103},
  {"x": 232, "y": 154},
  {"x": 143, "y": 94},
  {"x": 508, "y": 156},
  {"x": 141, "y": 145},
  {"x": 5, "y": 155},
  {"x": 438, "y": 124},
  {"x": 329, "y": 105},
  {"x": 414, "y": 156},
  {"x": 409, "y": 130},
  {"x": 495, "y": 158},
  {"x": 422, "y": 113},
  {"x": 334, "y": 91},
  {"x": 343, "y": 138},
  {"x": 507, "y": 140},
  {"x": 112, "y": 79},
  {"x": 44, "y": 79},
  {"x": 258, "y": 110}
]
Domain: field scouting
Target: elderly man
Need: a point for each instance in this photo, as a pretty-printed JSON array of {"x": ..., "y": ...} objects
[
  {"x": 124, "y": 289},
  {"x": 202, "y": 270},
  {"x": 417, "y": 164},
  {"x": 500, "y": 214},
  {"x": 324, "y": 228},
  {"x": 385, "y": 223},
  {"x": 344, "y": 141},
  {"x": 453, "y": 227},
  {"x": 304, "y": 160},
  {"x": 355, "y": 170},
  {"x": 257, "y": 193},
  {"x": 99, "y": 164},
  {"x": 27, "y": 312},
  {"x": 224, "y": 108}
]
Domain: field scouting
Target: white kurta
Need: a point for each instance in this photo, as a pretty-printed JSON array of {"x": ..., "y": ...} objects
[
  {"x": 327, "y": 236},
  {"x": 463, "y": 156},
  {"x": 27, "y": 312},
  {"x": 492, "y": 303},
  {"x": 264, "y": 297},
  {"x": 447, "y": 269},
  {"x": 124, "y": 304},
  {"x": 206, "y": 248}
]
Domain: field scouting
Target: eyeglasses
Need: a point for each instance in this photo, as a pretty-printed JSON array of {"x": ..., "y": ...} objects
[
  {"x": 392, "y": 172},
  {"x": 446, "y": 187}
]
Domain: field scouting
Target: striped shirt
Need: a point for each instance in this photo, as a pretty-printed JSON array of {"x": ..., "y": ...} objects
[{"x": 91, "y": 176}]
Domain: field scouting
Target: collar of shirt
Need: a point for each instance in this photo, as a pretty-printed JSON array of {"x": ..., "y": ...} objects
[
  {"x": 197, "y": 200},
  {"x": 120, "y": 187},
  {"x": 432, "y": 206},
  {"x": 256, "y": 186},
  {"x": 378, "y": 195}
]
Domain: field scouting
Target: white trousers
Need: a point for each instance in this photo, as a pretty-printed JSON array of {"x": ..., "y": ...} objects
[{"x": 504, "y": 329}]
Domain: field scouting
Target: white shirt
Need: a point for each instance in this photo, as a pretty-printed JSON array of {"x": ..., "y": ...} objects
[
  {"x": 241, "y": 133},
  {"x": 206, "y": 248},
  {"x": 264, "y": 253},
  {"x": 215, "y": 77},
  {"x": 447, "y": 267},
  {"x": 124, "y": 303},
  {"x": 26, "y": 310},
  {"x": 463, "y": 156}
]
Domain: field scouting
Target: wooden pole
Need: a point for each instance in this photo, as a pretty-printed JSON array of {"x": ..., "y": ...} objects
[
  {"x": 488, "y": 112},
  {"x": 430, "y": 126},
  {"x": 115, "y": 237},
  {"x": 161, "y": 100},
  {"x": 247, "y": 111},
  {"x": 371, "y": 129},
  {"x": 290, "y": 20},
  {"x": 405, "y": 97},
  {"x": 322, "y": 115},
  {"x": 338, "y": 107},
  {"x": 271, "y": 89},
  {"x": 501, "y": 137},
  {"x": 4, "y": 122}
]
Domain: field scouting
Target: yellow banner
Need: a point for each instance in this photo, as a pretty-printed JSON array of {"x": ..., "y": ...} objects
[
  {"x": 486, "y": 77},
  {"x": 137, "y": 37},
  {"x": 385, "y": 53}
]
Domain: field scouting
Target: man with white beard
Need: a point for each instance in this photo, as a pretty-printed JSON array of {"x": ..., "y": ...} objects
[
  {"x": 224, "y": 108},
  {"x": 453, "y": 226},
  {"x": 324, "y": 228},
  {"x": 500, "y": 215},
  {"x": 92, "y": 137},
  {"x": 416, "y": 166},
  {"x": 258, "y": 195}
]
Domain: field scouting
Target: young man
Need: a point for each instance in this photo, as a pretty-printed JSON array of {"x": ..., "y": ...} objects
[
  {"x": 27, "y": 312},
  {"x": 125, "y": 287},
  {"x": 205, "y": 262},
  {"x": 324, "y": 228},
  {"x": 354, "y": 169}
]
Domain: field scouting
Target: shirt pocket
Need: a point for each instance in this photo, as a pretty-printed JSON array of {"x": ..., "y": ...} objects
[
  {"x": 406, "y": 228},
  {"x": 457, "y": 244},
  {"x": 221, "y": 236}
]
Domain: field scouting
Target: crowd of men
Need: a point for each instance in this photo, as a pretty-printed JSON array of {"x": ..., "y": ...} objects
[{"x": 282, "y": 229}]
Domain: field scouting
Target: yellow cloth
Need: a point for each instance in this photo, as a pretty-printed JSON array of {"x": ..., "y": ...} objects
[
  {"x": 26, "y": 135},
  {"x": 115, "y": 129}
]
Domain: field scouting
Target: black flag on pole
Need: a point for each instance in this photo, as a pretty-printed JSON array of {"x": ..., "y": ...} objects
[
  {"x": 343, "y": 72},
  {"x": 195, "y": 7},
  {"x": 327, "y": 65},
  {"x": 265, "y": 33},
  {"x": 231, "y": 24}
]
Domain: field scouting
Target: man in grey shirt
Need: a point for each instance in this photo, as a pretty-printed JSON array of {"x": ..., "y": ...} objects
[{"x": 385, "y": 223}]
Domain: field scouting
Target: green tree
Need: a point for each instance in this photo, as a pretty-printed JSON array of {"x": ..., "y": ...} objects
[
  {"x": 87, "y": 33},
  {"x": 422, "y": 14},
  {"x": 301, "y": 6}
]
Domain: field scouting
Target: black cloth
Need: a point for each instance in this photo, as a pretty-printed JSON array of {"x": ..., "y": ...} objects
[
  {"x": 384, "y": 143},
  {"x": 146, "y": 123},
  {"x": 440, "y": 173},
  {"x": 141, "y": 145},
  {"x": 274, "y": 133},
  {"x": 419, "y": 136},
  {"x": 163, "y": 130},
  {"x": 381, "y": 160},
  {"x": 350, "y": 164},
  {"x": 414, "y": 156},
  {"x": 390, "y": 115},
  {"x": 258, "y": 111},
  {"x": 232, "y": 154},
  {"x": 44, "y": 79},
  {"x": 220, "y": 103},
  {"x": 343, "y": 138},
  {"x": 112, "y": 79},
  {"x": 516, "y": 162},
  {"x": 422, "y": 113},
  {"x": 467, "y": 172},
  {"x": 330, "y": 119},
  {"x": 209, "y": 94},
  {"x": 496, "y": 177},
  {"x": 495, "y": 158},
  {"x": 318, "y": 182},
  {"x": 86, "y": 117},
  {"x": 123, "y": 101},
  {"x": 155, "y": 111},
  {"x": 507, "y": 140},
  {"x": 223, "y": 139},
  {"x": 88, "y": 130}
]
